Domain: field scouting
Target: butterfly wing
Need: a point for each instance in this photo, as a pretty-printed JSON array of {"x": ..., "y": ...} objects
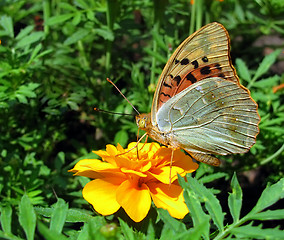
[
  {"x": 203, "y": 54},
  {"x": 212, "y": 116}
]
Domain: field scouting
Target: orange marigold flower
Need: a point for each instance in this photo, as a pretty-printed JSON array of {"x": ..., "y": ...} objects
[{"x": 131, "y": 182}]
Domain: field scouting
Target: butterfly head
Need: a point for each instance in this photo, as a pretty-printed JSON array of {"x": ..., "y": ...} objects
[{"x": 143, "y": 121}]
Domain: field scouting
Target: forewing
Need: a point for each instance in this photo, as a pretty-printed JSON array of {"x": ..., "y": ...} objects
[
  {"x": 213, "y": 116},
  {"x": 202, "y": 55}
]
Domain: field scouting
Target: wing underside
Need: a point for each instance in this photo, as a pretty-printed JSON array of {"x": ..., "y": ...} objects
[
  {"x": 213, "y": 116},
  {"x": 202, "y": 55}
]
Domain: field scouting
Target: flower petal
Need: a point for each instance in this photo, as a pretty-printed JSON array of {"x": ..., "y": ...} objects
[
  {"x": 108, "y": 155},
  {"x": 112, "y": 150},
  {"x": 101, "y": 193},
  {"x": 184, "y": 161},
  {"x": 127, "y": 171},
  {"x": 136, "y": 201},
  {"x": 163, "y": 174},
  {"x": 94, "y": 168},
  {"x": 169, "y": 197},
  {"x": 95, "y": 165}
]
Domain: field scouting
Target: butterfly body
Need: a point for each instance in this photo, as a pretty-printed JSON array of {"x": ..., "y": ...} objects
[
  {"x": 199, "y": 104},
  {"x": 144, "y": 123}
]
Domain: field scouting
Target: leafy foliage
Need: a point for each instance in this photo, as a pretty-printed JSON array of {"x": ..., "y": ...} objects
[
  {"x": 206, "y": 216},
  {"x": 54, "y": 59}
]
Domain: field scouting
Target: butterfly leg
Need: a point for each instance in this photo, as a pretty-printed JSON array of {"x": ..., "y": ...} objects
[
  {"x": 145, "y": 134},
  {"x": 143, "y": 144},
  {"x": 205, "y": 158},
  {"x": 171, "y": 164}
]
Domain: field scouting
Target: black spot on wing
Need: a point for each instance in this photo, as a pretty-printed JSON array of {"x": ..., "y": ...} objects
[
  {"x": 221, "y": 75},
  {"x": 205, "y": 70},
  {"x": 166, "y": 95},
  {"x": 176, "y": 61},
  {"x": 218, "y": 66},
  {"x": 205, "y": 59},
  {"x": 167, "y": 85},
  {"x": 184, "y": 61},
  {"x": 177, "y": 79},
  {"x": 195, "y": 64},
  {"x": 191, "y": 78}
]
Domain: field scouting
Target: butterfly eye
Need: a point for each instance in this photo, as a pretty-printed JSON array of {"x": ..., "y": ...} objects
[{"x": 142, "y": 123}]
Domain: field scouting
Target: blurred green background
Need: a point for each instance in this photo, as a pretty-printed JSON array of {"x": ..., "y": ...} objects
[{"x": 55, "y": 57}]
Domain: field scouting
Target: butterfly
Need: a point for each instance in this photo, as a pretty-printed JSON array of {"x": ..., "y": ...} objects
[{"x": 199, "y": 104}]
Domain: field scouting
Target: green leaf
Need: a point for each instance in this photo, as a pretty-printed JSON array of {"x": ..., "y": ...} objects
[
  {"x": 270, "y": 195},
  {"x": 212, "y": 204},
  {"x": 7, "y": 23},
  {"x": 150, "y": 52},
  {"x": 76, "y": 36},
  {"x": 67, "y": 6},
  {"x": 243, "y": 70},
  {"x": 167, "y": 233},
  {"x": 151, "y": 231},
  {"x": 270, "y": 215},
  {"x": 58, "y": 216},
  {"x": 90, "y": 15},
  {"x": 35, "y": 52},
  {"x": 26, "y": 91},
  {"x": 212, "y": 177},
  {"x": 126, "y": 230},
  {"x": 251, "y": 232},
  {"x": 121, "y": 137},
  {"x": 105, "y": 33},
  {"x": 267, "y": 82},
  {"x": 235, "y": 199},
  {"x": 31, "y": 38},
  {"x": 202, "y": 229},
  {"x": 77, "y": 18},
  {"x": 82, "y": 4},
  {"x": 5, "y": 236},
  {"x": 6, "y": 218},
  {"x": 21, "y": 98},
  {"x": 266, "y": 64},
  {"x": 73, "y": 215},
  {"x": 73, "y": 105},
  {"x": 27, "y": 217},
  {"x": 172, "y": 223},
  {"x": 159, "y": 40},
  {"x": 197, "y": 214},
  {"x": 49, "y": 234},
  {"x": 199, "y": 217},
  {"x": 24, "y": 32},
  {"x": 58, "y": 19},
  {"x": 84, "y": 233},
  {"x": 194, "y": 207}
]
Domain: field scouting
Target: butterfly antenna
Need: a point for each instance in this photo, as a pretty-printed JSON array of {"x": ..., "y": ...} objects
[
  {"x": 110, "y": 112},
  {"x": 123, "y": 96}
]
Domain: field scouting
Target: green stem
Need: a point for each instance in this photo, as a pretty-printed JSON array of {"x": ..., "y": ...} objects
[
  {"x": 111, "y": 13},
  {"x": 154, "y": 62},
  {"x": 192, "y": 18},
  {"x": 280, "y": 150},
  {"x": 199, "y": 14},
  {"x": 46, "y": 15},
  {"x": 226, "y": 232},
  {"x": 251, "y": 83},
  {"x": 159, "y": 8},
  {"x": 83, "y": 59}
]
